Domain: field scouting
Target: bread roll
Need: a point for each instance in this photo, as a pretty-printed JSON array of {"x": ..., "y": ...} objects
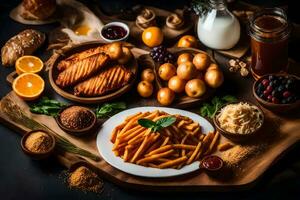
[{"x": 25, "y": 43}]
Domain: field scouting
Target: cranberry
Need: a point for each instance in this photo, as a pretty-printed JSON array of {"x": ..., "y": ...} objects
[
  {"x": 266, "y": 93},
  {"x": 265, "y": 82},
  {"x": 275, "y": 100},
  {"x": 270, "y": 97},
  {"x": 286, "y": 94},
  {"x": 270, "y": 88}
]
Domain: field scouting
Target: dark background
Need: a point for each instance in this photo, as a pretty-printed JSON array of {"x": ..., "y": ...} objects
[{"x": 23, "y": 178}]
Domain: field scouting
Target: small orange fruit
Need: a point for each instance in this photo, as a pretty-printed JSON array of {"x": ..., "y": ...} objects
[
  {"x": 165, "y": 96},
  {"x": 28, "y": 86},
  {"x": 148, "y": 75},
  {"x": 152, "y": 36},
  {"x": 166, "y": 71},
  {"x": 145, "y": 89},
  {"x": 176, "y": 84},
  {"x": 187, "y": 41},
  {"x": 186, "y": 71},
  {"x": 214, "y": 78},
  {"x": 213, "y": 66},
  {"x": 195, "y": 88},
  {"x": 30, "y": 64},
  {"x": 201, "y": 61},
  {"x": 184, "y": 57}
]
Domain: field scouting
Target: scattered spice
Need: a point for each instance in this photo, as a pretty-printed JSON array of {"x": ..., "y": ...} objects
[
  {"x": 237, "y": 154},
  {"x": 76, "y": 117},
  {"x": 38, "y": 142},
  {"x": 86, "y": 180}
]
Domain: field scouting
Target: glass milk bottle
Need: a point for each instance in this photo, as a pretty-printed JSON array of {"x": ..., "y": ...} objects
[{"x": 218, "y": 28}]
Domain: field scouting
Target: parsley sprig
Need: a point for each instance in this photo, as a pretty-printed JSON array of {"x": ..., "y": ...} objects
[{"x": 210, "y": 109}]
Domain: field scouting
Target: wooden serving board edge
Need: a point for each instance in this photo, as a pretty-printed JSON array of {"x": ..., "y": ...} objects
[{"x": 67, "y": 159}]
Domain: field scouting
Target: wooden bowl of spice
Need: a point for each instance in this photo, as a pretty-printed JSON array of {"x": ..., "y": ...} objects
[
  {"x": 38, "y": 144},
  {"x": 76, "y": 120}
]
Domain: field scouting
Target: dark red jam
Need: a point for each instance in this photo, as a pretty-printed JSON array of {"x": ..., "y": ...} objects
[
  {"x": 114, "y": 32},
  {"x": 212, "y": 163}
]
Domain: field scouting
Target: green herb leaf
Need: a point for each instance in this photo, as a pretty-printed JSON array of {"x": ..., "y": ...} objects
[
  {"x": 147, "y": 123},
  {"x": 229, "y": 98},
  {"x": 166, "y": 121},
  {"x": 158, "y": 125},
  {"x": 109, "y": 109},
  {"x": 47, "y": 106},
  {"x": 210, "y": 109}
]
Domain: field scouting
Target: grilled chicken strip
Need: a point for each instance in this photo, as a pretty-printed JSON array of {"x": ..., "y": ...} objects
[
  {"x": 82, "y": 70},
  {"x": 107, "y": 80},
  {"x": 112, "y": 50}
]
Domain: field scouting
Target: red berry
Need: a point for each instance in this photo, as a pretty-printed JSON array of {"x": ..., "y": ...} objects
[
  {"x": 266, "y": 93},
  {"x": 286, "y": 94},
  {"x": 270, "y": 98},
  {"x": 265, "y": 82},
  {"x": 275, "y": 100},
  {"x": 270, "y": 88}
]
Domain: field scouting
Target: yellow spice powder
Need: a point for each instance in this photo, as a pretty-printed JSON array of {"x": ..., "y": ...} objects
[
  {"x": 38, "y": 142},
  {"x": 85, "y": 179}
]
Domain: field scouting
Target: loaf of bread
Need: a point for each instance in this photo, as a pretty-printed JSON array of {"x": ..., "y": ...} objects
[
  {"x": 38, "y": 9},
  {"x": 25, "y": 43}
]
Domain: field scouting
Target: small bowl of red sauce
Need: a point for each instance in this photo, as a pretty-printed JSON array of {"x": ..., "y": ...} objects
[
  {"x": 115, "y": 31},
  {"x": 212, "y": 164}
]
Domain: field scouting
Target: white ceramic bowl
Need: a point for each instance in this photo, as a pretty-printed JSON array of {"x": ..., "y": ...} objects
[{"x": 121, "y": 24}]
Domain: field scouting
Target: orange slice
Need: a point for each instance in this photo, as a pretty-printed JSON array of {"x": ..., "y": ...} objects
[
  {"x": 30, "y": 64},
  {"x": 28, "y": 86}
]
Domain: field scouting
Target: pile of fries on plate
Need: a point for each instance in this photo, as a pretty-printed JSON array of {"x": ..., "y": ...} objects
[{"x": 172, "y": 147}]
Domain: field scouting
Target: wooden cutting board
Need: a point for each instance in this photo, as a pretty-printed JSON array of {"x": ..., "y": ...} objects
[{"x": 277, "y": 136}]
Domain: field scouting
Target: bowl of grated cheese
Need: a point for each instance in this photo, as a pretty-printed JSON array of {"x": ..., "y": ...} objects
[{"x": 239, "y": 121}]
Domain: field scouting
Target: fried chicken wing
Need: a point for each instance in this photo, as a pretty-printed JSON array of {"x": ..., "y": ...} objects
[
  {"x": 112, "y": 50},
  {"x": 82, "y": 70},
  {"x": 107, "y": 80}
]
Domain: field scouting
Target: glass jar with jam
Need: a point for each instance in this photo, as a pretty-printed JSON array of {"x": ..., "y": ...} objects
[{"x": 269, "y": 30}]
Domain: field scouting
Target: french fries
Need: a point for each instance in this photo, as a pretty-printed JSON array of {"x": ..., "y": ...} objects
[{"x": 172, "y": 147}]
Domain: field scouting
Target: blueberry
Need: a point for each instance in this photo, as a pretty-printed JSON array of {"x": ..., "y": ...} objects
[
  {"x": 271, "y": 77},
  {"x": 261, "y": 86},
  {"x": 289, "y": 99},
  {"x": 280, "y": 88},
  {"x": 275, "y": 93},
  {"x": 283, "y": 82},
  {"x": 283, "y": 101},
  {"x": 290, "y": 81},
  {"x": 262, "y": 96}
]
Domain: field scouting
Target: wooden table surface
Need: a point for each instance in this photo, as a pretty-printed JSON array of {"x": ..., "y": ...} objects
[{"x": 24, "y": 178}]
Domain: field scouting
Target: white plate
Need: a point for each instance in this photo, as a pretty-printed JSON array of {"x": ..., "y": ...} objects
[{"x": 105, "y": 146}]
